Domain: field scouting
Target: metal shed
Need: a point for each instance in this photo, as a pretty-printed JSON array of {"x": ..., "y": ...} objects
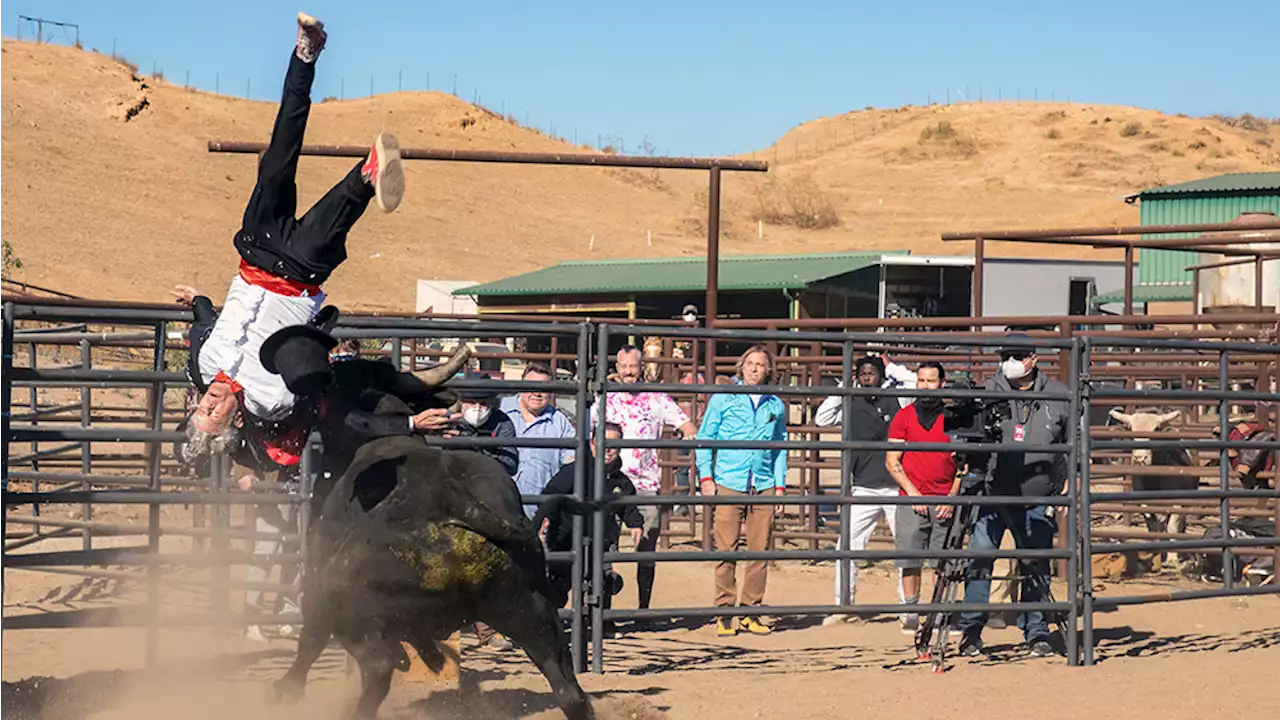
[{"x": 1162, "y": 274}]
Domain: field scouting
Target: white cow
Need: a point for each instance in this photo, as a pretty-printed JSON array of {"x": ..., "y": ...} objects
[{"x": 1149, "y": 423}]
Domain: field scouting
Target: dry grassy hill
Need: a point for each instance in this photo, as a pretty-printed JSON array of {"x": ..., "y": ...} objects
[{"x": 110, "y": 192}]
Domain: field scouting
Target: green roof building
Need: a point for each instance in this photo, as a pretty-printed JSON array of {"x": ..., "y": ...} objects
[
  {"x": 750, "y": 286},
  {"x": 1162, "y": 274}
]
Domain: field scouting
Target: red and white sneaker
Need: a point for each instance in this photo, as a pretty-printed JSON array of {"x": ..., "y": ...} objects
[
  {"x": 311, "y": 37},
  {"x": 384, "y": 170}
]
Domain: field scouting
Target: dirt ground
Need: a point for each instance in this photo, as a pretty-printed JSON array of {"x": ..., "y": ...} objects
[{"x": 1174, "y": 660}]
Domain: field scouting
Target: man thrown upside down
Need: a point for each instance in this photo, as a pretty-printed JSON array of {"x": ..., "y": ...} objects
[{"x": 283, "y": 262}]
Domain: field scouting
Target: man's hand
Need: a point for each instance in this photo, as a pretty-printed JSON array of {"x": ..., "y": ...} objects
[
  {"x": 946, "y": 511},
  {"x": 185, "y": 294},
  {"x": 434, "y": 420},
  {"x": 245, "y": 482},
  {"x": 636, "y": 534},
  {"x": 542, "y": 531},
  {"x": 708, "y": 486}
]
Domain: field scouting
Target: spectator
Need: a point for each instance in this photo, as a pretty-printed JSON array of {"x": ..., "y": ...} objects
[
  {"x": 272, "y": 525},
  {"x": 737, "y": 473},
  {"x": 534, "y": 416},
  {"x": 921, "y": 474},
  {"x": 480, "y": 420},
  {"x": 557, "y": 528},
  {"x": 641, "y": 417},
  {"x": 870, "y": 477},
  {"x": 1035, "y": 422}
]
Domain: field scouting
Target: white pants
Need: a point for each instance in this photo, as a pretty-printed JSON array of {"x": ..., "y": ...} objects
[
  {"x": 862, "y": 522},
  {"x": 276, "y": 520}
]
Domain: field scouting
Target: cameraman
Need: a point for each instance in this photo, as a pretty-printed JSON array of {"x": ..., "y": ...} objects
[{"x": 1035, "y": 422}]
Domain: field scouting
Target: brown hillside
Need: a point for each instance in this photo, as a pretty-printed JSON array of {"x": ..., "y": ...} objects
[{"x": 102, "y": 206}]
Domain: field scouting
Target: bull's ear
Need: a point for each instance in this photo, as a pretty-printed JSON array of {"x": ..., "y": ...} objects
[
  {"x": 1169, "y": 417},
  {"x": 1126, "y": 419}
]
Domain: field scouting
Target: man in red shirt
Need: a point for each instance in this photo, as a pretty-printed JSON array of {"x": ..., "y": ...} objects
[{"x": 921, "y": 474}]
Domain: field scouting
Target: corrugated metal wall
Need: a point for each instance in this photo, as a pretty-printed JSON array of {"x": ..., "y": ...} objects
[{"x": 1165, "y": 267}]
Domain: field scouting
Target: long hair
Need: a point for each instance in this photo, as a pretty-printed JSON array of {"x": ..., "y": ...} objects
[{"x": 771, "y": 362}]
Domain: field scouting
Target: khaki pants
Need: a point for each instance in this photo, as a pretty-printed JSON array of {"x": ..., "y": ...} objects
[{"x": 727, "y": 529}]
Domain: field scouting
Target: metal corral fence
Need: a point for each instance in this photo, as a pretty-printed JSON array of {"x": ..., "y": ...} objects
[{"x": 103, "y": 387}]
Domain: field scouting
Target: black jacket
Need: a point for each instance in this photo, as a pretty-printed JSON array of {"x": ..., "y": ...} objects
[
  {"x": 201, "y": 326},
  {"x": 560, "y": 527},
  {"x": 869, "y": 420},
  {"x": 1045, "y": 422},
  {"x": 497, "y": 425}
]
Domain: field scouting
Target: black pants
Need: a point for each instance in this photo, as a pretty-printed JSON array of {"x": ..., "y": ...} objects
[{"x": 271, "y": 238}]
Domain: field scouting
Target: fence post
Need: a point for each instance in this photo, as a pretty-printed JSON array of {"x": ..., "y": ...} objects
[
  {"x": 6, "y": 387},
  {"x": 86, "y": 447},
  {"x": 154, "y": 449},
  {"x": 1086, "y": 527},
  {"x": 597, "y": 515},
  {"x": 844, "y": 565},
  {"x": 581, "y": 453},
  {"x": 1224, "y": 466},
  {"x": 1079, "y": 424}
]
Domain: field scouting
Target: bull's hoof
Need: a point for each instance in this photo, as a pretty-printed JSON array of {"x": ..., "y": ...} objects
[{"x": 286, "y": 692}]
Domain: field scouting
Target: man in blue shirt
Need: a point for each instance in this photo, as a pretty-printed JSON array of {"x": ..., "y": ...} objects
[{"x": 535, "y": 416}]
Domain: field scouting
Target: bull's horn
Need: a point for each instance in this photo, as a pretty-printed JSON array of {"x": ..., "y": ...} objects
[
  {"x": 1121, "y": 416},
  {"x": 1170, "y": 416},
  {"x": 437, "y": 375}
]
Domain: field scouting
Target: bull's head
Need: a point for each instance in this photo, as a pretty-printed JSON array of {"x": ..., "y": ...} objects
[
  {"x": 652, "y": 349},
  {"x": 1144, "y": 423}
]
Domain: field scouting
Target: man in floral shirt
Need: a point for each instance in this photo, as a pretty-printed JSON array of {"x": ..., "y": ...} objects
[{"x": 641, "y": 416}]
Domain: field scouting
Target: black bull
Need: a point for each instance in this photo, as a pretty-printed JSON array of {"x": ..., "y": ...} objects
[{"x": 413, "y": 543}]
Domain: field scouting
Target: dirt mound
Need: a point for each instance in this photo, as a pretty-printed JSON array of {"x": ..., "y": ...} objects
[{"x": 111, "y": 191}]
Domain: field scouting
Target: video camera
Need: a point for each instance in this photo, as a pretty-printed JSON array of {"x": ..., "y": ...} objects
[{"x": 973, "y": 420}]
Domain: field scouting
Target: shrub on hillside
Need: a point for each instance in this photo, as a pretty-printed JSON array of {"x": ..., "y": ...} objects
[
  {"x": 798, "y": 202},
  {"x": 1130, "y": 129},
  {"x": 1053, "y": 134},
  {"x": 1244, "y": 122}
]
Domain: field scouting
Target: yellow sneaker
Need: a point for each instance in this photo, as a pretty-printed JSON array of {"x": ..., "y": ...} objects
[
  {"x": 726, "y": 628},
  {"x": 754, "y": 626}
]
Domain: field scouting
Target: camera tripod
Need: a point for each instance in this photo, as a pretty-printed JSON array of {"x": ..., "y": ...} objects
[{"x": 951, "y": 575}]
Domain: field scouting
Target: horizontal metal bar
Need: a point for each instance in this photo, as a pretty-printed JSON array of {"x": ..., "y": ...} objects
[
  {"x": 828, "y": 390},
  {"x": 50, "y": 452},
  {"x": 741, "y": 332},
  {"x": 1204, "y": 494},
  {"x": 1104, "y": 394},
  {"x": 1199, "y": 345},
  {"x": 508, "y": 156},
  {"x": 1188, "y": 444},
  {"x": 1103, "y": 602},
  {"x": 45, "y": 434},
  {"x": 139, "y": 497},
  {"x": 802, "y": 610},
  {"x": 746, "y": 555},
  {"x": 44, "y": 412},
  {"x": 1164, "y": 545},
  {"x": 132, "y": 557},
  {"x": 139, "y": 616},
  {"x": 1106, "y": 231},
  {"x": 118, "y": 530},
  {"x": 982, "y": 500},
  {"x": 22, "y": 374},
  {"x": 836, "y": 445}
]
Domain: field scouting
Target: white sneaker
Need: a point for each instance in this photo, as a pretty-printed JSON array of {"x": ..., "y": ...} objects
[
  {"x": 311, "y": 37},
  {"x": 254, "y": 633},
  {"x": 384, "y": 170},
  {"x": 830, "y": 620},
  {"x": 287, "y": 632}
]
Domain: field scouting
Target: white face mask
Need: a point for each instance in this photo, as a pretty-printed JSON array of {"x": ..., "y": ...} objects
[
  {"x": 1014, "y": 369},
  {"x": 475, "y": 415}
]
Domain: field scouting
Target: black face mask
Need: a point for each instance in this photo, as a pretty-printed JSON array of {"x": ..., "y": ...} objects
[{"x": 929, "y": 403}]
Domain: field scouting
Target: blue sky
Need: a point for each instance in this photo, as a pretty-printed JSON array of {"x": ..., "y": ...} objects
[{"x": 707, "y": 78}]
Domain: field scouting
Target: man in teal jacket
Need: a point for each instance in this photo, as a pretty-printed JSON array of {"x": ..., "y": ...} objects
[{"x": 744, "y": 472}]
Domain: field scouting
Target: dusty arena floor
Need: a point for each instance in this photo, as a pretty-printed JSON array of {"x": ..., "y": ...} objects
[{"x": 1211, "y": 658}]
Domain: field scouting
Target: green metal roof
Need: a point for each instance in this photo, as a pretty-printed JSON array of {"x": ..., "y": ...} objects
[
  {"x": 1266, "y": 182},
  {"x": 1147, "y": 293},
  {"x": 742, "y": 272}
]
